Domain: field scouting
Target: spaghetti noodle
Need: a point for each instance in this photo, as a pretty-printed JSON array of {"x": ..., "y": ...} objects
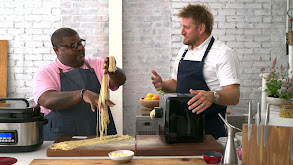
[
  {"x": 70, "y": 145},
  {"x": 103, "y": 115}
]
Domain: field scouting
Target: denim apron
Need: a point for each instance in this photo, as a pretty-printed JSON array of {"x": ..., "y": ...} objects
[
  {"x": 79, "y": 119},
  {"x": 190, "y": 76}
]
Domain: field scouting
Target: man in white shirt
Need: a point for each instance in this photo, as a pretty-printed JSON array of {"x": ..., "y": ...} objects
[{"x": 204, "y": 67}]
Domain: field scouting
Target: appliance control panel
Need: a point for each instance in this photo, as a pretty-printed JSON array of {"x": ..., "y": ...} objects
[{"x": 8, "y": 137}]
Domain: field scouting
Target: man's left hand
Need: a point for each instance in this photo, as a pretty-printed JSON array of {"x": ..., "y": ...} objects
[{"x": 201, "y": 101}]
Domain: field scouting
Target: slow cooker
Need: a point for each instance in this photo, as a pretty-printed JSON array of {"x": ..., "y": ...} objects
[{"x": 21, "y": 129}]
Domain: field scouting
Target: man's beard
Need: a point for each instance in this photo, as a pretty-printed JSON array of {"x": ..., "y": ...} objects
[{"x": 191, "y": 42}]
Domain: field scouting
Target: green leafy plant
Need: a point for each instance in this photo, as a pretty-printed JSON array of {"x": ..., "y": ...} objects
[
  {"x": 278, "y": 83},
  {"x": 161, "y": 92}
]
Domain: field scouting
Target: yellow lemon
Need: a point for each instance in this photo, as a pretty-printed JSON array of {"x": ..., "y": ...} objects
[
  {"x": 150, "y": 95},
  {"x": 153, "y": 98},
  {"x": 148, "y": 98}
]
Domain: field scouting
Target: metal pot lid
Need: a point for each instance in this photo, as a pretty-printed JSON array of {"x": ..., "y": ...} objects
[
  {"x": 9, "y": 118},
  {"x": 15, "y": 99},
  {"x": 16, "y": 110},
  {"x": 12, "y": 112}
]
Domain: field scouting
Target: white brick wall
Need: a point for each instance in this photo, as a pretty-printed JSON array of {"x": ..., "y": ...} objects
[
  {"x": 23, "y": 24},
  {"x": 28, "y": 25},
  {"x": 151, "y": 40},
  {"x": 90, "y": 19}
]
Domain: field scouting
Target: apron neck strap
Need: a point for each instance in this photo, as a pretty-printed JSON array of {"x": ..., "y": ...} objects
[
  {"x": 205, "y": 53},
  {"x": 90, "y": 68},
  {"x": 183, "y": 55},
  {"x": 209, "y": 47},
  {"x": 61, "y": 72}
]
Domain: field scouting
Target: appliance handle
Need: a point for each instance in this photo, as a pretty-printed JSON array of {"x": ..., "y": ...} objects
[{"x": 22, "y": 99}]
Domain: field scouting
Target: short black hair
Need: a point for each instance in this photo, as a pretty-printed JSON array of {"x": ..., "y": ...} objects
[{"x": 57, "y": 36}]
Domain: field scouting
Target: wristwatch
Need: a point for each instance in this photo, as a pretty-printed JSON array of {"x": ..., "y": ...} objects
[
  {"x": 216, "y": 95},
  {"x": 81, "y": 94}
]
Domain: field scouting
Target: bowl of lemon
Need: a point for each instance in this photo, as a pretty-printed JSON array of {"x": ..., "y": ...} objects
[
  {"x": 150, "y": 101},
  {"x": 121, "y": 156}
]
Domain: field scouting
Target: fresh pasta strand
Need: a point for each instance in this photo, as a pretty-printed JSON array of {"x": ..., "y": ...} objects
[
  {"x": 112, "y": 64},
  {"x": 103, "y": 115},
  {"x": 152, "y": 114},
  {"x": 70, "y": 145}
]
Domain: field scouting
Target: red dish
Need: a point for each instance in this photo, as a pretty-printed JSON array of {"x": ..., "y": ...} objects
[
  {"x": 7, "y": 160},
  {"x": 212, "y": 157}
]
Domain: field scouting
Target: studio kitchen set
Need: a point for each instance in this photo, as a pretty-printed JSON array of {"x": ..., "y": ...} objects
[
  {"x": 180, "y": 133},
  {"x": 174, "y": 136}
]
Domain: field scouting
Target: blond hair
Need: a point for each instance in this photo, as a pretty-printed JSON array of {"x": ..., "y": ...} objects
[{"x": 199, "y": 14}]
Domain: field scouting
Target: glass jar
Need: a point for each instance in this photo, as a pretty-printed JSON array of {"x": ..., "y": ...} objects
[{"x": 286, "y": 110}]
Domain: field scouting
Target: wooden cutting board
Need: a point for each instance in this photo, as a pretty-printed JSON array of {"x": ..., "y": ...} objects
[
  {"x": 4, "y": 105},
  {"x": 142, "y": 145},
  {"x": 276, "y": 151},
  {"x": 153, "y": 145},
  {"x": 194, "y": 161},
  {"x": 3, "y": 67},
  {"x": 94, "y": 150}
]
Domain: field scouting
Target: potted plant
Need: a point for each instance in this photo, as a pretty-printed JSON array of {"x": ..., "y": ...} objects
[{"x": 278, "y": 83}]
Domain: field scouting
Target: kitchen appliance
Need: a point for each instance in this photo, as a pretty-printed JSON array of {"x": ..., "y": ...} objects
[
  {"x": 20, "y": 128},
  {"x": 146, "y": 126},
  {"x": 177, "y": 124}
]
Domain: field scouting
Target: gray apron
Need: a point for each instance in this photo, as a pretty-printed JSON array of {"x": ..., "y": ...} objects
[{"x": 79, "y": 119}]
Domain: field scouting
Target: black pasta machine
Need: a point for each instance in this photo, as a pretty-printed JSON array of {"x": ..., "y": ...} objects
[{"x": 177, "y": 124}]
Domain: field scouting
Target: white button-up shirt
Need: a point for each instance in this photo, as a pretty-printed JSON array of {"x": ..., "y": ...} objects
[{"x": 221, "y": 66}]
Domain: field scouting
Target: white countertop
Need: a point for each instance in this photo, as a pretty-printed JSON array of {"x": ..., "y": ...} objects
[{"x": 25, "y": 158}]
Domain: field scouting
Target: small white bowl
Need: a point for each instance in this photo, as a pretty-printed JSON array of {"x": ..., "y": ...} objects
[
  {"x": 223, "y": 141},
  {"x": 121, "y": 156},
  {"x": 238, "y": 135}
]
